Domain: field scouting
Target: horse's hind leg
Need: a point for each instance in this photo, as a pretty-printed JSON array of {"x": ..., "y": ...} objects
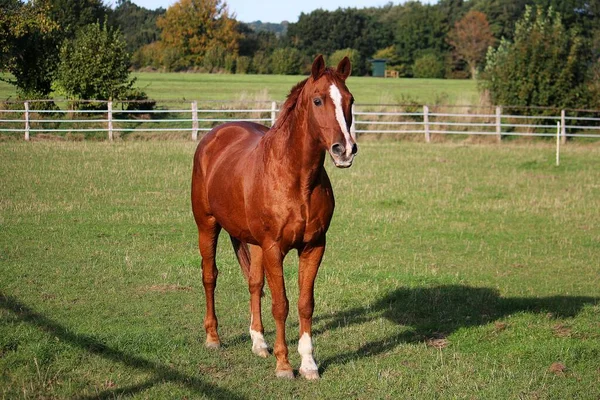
[
  {"x": 256, "y": 282},
  {"x": 208, "y": 234}
]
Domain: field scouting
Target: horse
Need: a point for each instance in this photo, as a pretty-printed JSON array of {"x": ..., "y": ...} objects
[{"x": 269, "y": 190}]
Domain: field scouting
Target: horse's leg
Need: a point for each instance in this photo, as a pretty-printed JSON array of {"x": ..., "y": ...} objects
[
  {"x": 256, "y": 282},
  {"x": 310, "y": 259},
  {"x": 273, "y": 264},
  {"x": 208, "y": 234}
]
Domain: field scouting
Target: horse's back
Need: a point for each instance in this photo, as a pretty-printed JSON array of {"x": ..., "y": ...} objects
[{"x": 228, "y": 141}]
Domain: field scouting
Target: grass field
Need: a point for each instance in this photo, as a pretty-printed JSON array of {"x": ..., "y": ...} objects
[
  {"x": 452, "y": 271},
  {"x": 189, "y": 86}
]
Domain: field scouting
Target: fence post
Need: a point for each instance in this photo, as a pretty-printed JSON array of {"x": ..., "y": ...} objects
[
  {"x": 558, "y": 131},
  {"x": 273, "y": 112},
  {"x": 499, "y": 124},
  {"x": 426, "y": 123},
  {"x": 110, "y": 121},
  {"x": 353, "y": 125},
  {"x": 563, "y": 130},
  {"x": 194, "y": 120},
  {"x": 26, "y": 105}
]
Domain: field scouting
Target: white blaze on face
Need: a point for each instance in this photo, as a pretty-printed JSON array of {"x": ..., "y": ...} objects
[
  {"x": 336, "y": 96},
  {"x": 305, "y": 350}
]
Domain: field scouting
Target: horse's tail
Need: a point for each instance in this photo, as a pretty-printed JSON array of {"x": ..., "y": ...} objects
[{"x": 243, "y": 255}]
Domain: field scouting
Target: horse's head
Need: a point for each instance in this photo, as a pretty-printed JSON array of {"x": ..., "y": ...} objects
[{"x": 329, "y": 105}]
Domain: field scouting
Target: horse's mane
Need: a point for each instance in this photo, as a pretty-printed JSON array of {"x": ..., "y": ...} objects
[{"x": 292, "y": 100}]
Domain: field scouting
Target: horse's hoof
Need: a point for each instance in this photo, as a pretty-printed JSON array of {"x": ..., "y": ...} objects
[
  {"x": 212, "y": 345},
  {"x": 285, "y": 373},
  {"x": 310, "y": 374},
  {"x": 261, "y": 352}
]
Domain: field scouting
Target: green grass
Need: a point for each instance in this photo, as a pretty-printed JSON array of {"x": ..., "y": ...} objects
[
  {"x": 452, "y": 271},
  {"x": 190, "y": 86}
]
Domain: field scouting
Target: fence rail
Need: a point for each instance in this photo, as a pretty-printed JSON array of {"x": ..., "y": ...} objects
[{"x": 28, "y": 118}]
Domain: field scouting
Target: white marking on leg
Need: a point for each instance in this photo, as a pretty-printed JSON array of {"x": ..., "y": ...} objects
[
  {"x": 258, "y": 340},
  {"x": 305, "y": 350},
  {"x": 336, "y": 96}
]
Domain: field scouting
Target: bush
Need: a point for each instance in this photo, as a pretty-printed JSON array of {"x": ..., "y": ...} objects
[
  {"x": 242, "y": 65},
  {"x": 428, "y": 66},
  {"x": 546, "y": 65},
  {"x": 261, "y": 63},
  {"x": 287, "y": 61},
  {"x": 352, "y": 54},
  {"x": 94, "y": 65}
]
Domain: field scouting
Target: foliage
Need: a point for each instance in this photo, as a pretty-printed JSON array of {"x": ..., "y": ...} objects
[
  {"x": 261, "y": 63},
  {"x": 418, "y": 31},
  {"x": 502, "y": 15},
  {"x": 471, "y": 38},
  {"x": 192, "y": 28},
  {"x": 428, "y": 66},
  {"x": 334, "y": 59},
  {"x": 546, "y": 65},
  {"x": 94, "y": 65},
  {"x": 347, "y": 28},
  {"x": 71, "y": 15},
  {"x": 29, "y": 41},
  {"x": 242, "y": 65},
  {"x": 137, "y": 24},
  {"x": 287, "y": 61}
]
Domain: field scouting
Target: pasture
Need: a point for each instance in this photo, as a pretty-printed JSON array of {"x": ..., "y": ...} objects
[
  {"x": 451, "y": 271},
  {"x": 190, "y": 86}
]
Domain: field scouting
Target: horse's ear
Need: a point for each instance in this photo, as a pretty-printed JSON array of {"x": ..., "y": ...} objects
[
  {"x": 318, "y": 67},
  {"x": 344, "y": 68}
]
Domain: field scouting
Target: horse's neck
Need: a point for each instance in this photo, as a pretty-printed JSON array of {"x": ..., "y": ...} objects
[{"x": 298, "y": 150}]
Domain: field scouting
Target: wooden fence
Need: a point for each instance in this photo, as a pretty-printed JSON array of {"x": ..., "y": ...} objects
[{"x": 27, "y": 119}]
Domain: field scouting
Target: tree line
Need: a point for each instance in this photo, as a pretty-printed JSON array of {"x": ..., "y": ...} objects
[{"x": 44, "y": 43}]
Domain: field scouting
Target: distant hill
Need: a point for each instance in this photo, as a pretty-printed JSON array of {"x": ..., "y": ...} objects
[{"x": 278, "y": 29}]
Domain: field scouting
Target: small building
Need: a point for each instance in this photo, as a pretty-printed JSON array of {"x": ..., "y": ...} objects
[{"x": 378, "y": 66}]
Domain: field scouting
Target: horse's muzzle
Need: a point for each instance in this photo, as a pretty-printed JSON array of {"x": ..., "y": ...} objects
[{"x": 343, "y": 156}]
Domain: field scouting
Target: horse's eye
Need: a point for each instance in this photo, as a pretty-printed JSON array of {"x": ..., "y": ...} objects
[{"x": 317, "y": 102}]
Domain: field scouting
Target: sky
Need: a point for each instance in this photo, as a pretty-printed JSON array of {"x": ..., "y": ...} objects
[{"x": 277, "y": 10}]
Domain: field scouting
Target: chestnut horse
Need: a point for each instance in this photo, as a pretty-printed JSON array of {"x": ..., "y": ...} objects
[{"x": 269, "y": 190}]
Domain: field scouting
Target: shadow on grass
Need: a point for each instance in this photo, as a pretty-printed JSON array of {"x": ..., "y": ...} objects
[
  {"x": 161, "y": 372},
  {"x": 435, "y": 312}
]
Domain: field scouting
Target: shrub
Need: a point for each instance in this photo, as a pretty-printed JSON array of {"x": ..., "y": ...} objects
[
  {"x": 94, "y": 65},
  {"x": 352, "y": 54},
  {"x": 242, "y": 65},
  {"x": 287, "y": 61},
  {"x": 428, "y": 66},
  {"x": 546, "y": 65}
]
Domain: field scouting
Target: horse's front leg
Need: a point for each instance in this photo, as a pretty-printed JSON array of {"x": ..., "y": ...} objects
[
  {"x": 273, "y": 264},
  {"x": 310, "y": 259}
]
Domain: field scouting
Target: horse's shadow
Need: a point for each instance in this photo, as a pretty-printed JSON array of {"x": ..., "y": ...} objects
[
  {"x": 159, "y": 372},
  {"x": 436, "y": 312}
]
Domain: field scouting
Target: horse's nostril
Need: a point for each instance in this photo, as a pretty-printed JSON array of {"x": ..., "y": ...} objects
[
  {"x": 354, "y": 148},
  {"x": 337, "y": 149}
]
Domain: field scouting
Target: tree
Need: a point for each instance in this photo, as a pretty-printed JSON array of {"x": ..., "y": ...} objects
[
  {"x": 428, "y": 66},
  {"x": 137, "y": 24},
  {"x": 546, "y": 65},
  {"x": 193, "y": 27},
  {"x": 419, "y": 31},
  {"x": 337, "y": 56},
  {"x": 502, "y": 15},
  {"x": 471, "y": 38},
  {"x": 29, "y": 42},
  {"x": 94, "y": 65},
  {"x": 287, "y": 61}
]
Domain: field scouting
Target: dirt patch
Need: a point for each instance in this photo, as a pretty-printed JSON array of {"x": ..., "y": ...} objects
[{"x": 558, "y": 368}]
